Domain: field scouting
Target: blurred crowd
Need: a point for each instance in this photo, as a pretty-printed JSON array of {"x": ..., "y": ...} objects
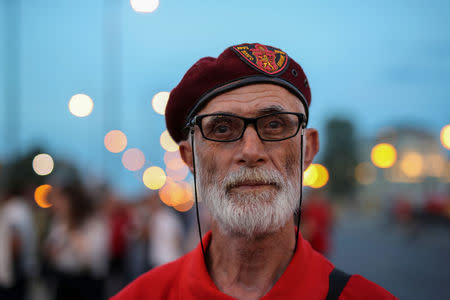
[{"x": 89, "y": 243}]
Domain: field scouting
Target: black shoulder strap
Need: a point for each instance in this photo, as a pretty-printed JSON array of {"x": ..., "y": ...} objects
[{"x": 337, "y": 281}]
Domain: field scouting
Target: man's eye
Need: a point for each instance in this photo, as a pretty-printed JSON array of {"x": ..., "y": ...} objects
[
  {"x": 274, "y": 124},
  {"x": 221, "y": 128}
]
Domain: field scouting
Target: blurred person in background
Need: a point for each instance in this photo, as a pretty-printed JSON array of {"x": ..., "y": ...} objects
[
  {"x": 317, "y": 222},
  {"x": 117, "y": 216},
  {"x": 18, "y": 257},
  {"x": 165, "y": 232},
  {"x": 402, "y": 209},
  {"x": 136, "y": 262},
  {"x": 191, "y": 240},
  {"x": 76, "y": 246},
  {"x": 240, "y": 122}
]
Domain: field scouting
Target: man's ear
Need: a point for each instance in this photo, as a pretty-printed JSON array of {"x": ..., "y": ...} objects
[
  {"x": 186, "y": 154},
  {"x": 311, "y": 145}
]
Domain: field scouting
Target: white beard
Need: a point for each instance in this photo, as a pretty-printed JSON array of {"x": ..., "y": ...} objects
[{"x": 249, "y": 213}]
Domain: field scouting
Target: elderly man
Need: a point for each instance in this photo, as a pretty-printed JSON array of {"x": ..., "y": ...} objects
[{"x": 240, "y": 121}]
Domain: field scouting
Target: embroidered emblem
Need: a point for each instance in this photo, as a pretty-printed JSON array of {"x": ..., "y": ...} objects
[{"x": 267, "y": 59}]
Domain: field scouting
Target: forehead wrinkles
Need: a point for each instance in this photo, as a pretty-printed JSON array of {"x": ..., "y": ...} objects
[{"x": 253, "y": 98}]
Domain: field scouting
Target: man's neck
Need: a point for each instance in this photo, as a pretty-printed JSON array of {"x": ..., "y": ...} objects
[{"x": 248, "y": 268}]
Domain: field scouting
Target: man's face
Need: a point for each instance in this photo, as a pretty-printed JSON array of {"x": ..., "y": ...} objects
[{"x": 251, "y": 187}]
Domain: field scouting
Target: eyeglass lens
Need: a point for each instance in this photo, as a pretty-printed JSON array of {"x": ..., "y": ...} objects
[{"x": 270, "y": 127}]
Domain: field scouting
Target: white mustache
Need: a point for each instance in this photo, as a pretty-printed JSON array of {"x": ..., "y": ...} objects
[{"x": 246, "y": 175}]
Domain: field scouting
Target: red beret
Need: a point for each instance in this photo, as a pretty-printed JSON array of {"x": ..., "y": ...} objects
[{"x": 237, "y": 66}]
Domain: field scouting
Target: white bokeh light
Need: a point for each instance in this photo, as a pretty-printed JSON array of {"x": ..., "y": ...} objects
[
  {"x": 144, "y": 6},
  {"x": 81, "y": 105},
  {"x": 43, "y": 164},
  {"x": 159, "y": 102}
]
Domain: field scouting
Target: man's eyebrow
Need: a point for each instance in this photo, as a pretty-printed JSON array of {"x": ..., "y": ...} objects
[
  {"x": 223, "y": 112},
  {"x": 262, "y": 111},
  {"x": 271, "y": 109}
]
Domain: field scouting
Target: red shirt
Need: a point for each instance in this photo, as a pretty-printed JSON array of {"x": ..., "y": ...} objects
[{"x": 306, "y": 277}]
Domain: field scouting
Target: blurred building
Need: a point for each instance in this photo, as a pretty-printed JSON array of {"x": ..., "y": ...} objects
[{"x": 420, "y": 169}]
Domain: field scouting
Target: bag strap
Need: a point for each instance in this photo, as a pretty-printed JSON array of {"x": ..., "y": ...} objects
[{"x": 337, "y": 282}]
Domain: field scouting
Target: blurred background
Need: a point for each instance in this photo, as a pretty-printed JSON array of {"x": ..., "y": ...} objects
[{"x": 92, "y": 188}]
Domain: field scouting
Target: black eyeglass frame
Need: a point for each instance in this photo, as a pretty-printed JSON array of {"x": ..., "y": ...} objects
[{"x": 197, "y": 120}]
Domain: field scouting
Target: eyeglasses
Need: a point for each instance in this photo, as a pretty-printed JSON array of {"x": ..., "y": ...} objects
[{"x": 229, "y": 128}]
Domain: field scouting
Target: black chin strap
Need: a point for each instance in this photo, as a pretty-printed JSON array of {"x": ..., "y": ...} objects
[
  {"x": 301, "y": 188},
  {"x": 196, "y": 201},
  {"x": 195, "y": 195}
]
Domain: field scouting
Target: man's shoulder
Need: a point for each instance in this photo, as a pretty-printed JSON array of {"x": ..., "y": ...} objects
[
  {"x": 157, "y": 282},
  {"x": 359, "y": 287}
]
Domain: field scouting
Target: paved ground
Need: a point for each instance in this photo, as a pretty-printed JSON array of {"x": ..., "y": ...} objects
[{"x": 409, "y": 265}]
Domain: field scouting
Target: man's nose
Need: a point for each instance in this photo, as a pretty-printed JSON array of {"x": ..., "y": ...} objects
[{"x": 252, "y": 151}]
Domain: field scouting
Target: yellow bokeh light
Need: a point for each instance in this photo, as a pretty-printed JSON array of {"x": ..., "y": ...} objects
[
  {"x": 154, "y": 178},
  {"x": 365, "y": 173},
  {"x": 445, "y": 136},
  {"x": 41, "y": 195},
  {"x": 43, "y": 164},
  {"x": 383, "y": 155},
  {"x": 167, "y": 142},
  {"x": 322, "y": 176},
  {"x": 81, "y": 105},
  {"x": 412, "y": 164},
  {"x": 310, "y": 175},
  {"x": 133, "y": 159},
  {"x": 144, "y": 6},
  {"x": 159, "y": 102},
  {"x": 115, "y": 141}
]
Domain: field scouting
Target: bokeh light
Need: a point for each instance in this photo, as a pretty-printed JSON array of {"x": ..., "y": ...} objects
[
  {"x": 411, "y": 164},
  {"x": 43, "y": 164},
  {"x": 184, "y": 207},
  {"x": 167, "y": 142},
  {"x": 159, "y": 102},
  {"x": 322, "y": 176},
  {"x": 383, "y": 155},
  {"x": 41, "y": 195},
  {"x": 310, "y": 175},
  {"x": 365, "y": 173},
  {"x": 144, "y": 6},
  {"x": 154, "y": 178},
  {"x": 445, "y": 136},
  {"x": 173, "y": 160},
  {"x": 172, "y": 193},
  {"x": 133, "y": 159},
  {"x": 178, "y": 174},
  {"x": 81, "y": 105},
  {"x": 177, "y": 194},
  {"x": 115, "y": 141}
]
